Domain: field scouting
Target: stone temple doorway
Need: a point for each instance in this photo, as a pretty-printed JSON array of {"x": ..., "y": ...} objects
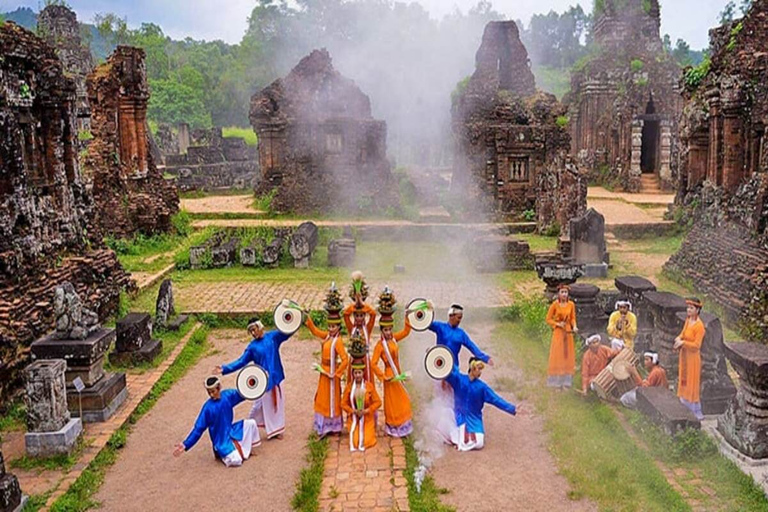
[{"x": 651, "y": 138}]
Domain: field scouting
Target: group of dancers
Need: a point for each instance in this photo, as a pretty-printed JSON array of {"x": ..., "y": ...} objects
[
  {"x": 351, "y": 365},
  {"x": 622, "y": 328}
]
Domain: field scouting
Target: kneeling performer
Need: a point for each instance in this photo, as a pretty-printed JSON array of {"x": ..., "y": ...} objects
[
  {"x": 594, "y": 360},
  {"x": 657, "y": 377},
  {"x": 232, "y": 442},
  {"x": 470, "y": 395}
]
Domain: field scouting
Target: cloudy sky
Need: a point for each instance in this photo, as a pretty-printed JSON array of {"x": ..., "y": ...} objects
[{"x": 226, "y": 19}]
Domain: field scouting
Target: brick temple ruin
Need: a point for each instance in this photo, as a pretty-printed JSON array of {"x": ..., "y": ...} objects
[
  {"x": 723, "y": 187},
  {"x": 46, "y": 212},
  {"x": 511, "y": 153},
  {"x": 211, "y": 162},
  {"x": 320, "y": 148},
  {"x": 624, "y": 101},
  {"x": 58, "y": 26},
  {"x": 129, "y": 190}
]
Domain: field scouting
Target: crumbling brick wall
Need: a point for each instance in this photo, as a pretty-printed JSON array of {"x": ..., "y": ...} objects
[
  {"x": 320, "y": 149},
  {"x": 46, "y": 234},
  {"x": 624, "y": 100},
  {"x": 130, "y": 192},
  {"x": 507, "y": 136},
  {"x": 723, "y": 189}
]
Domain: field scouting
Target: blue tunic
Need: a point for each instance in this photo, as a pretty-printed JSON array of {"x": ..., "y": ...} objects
[
  {"x": 216, "y": 416},
  {"x": 264, "y": 352},
  {"x": 469, "y": 398},
  {"x": 454, "y": 338}
]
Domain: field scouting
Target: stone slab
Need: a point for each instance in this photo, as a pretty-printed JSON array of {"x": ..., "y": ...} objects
[
  {"x": 100, "y": 401},
  {"x": 89, "y": 374},
  {"x": 48, "y": 444},
  {"x": 663, "y": 408},
  {"x": 634, "y": 286},
  {"x": 79, "y": 353},
  {"x": 595, "y": 270},
  {"x": 133, "y": 331},
  {"x": 147, "y": 353},
  {"x": 753, "y": 357},
  {"x": 176, "y": 323}
]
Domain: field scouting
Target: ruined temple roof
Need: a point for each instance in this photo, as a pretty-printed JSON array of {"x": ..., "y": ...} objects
[
  {"x": 619, "y": 21},
  {"x": 314, "y": 90}
]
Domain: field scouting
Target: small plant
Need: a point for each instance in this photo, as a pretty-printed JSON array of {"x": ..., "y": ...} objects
[
  {"x": 182, "y": 223},
  {"x": 264, "y": 202},
  {"x": 84, "y": 135},
  {"x": 636, "y": 65},
  {"x": 25, "y": 91},
  {"x": 562, "y": 121},
  {"x": 529, "y": 215},
  {"x": 694, "y": 76}
]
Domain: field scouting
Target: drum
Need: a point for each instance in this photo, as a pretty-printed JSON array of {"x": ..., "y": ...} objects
[
  {"x": 252, "y": 382},
  {"x": 604, "y": 383},
  {"x": 624, "y": 380},
  {"x": 420, "y": 316},
  {"x": 438, "y": 362},
  {"x": 615, "y": 379},
  {"x": 628, "y": 355},
  {"x": 288, "y": 317}
]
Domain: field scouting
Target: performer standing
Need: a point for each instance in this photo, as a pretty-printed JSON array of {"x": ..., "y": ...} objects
[
  {"x": 232, "y": 442},
  {"x": 334, "y": 362},
  {"x": 622, "y": 326},
  {"x": 561, "y": 317},
  {"x": 358, "y": 310},
  {"x": 264, "y": 350},
  {"x": 454, "y": 337},
  {"x": 360, "y": 400},
  {"x": 397, "y": 403},
  {"x": 595, "y": 359},
  {"x": 471, "y": 395},
  {"x": 657, "y": 377},
  {"x": 689, "y": 344}
]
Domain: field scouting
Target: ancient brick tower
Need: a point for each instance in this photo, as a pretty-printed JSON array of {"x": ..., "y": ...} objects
[
  {"x": 510, "y": 151},
  {"x": 46, "y": 234},
  {"x": 723, "y": 187},
  {"x": 320, "y": 149},
  {"x": 57, "y": 25},
  {"x": 130, "y": 192},
  {"x": 624, "y": 100}
]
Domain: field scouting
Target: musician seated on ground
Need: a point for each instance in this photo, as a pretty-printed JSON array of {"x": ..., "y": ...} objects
[
  {"x": 595, "y": 359},
  {"x": 622, "y": 326},
  {"x": 657, "y": 377}
]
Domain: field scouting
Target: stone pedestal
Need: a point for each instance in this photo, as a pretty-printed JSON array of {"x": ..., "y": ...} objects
[
  {"x": 164, "y": 306},
  {"x": 590, "y": 317},
  {"x": 104, "y": 393},
  {"x": 11, "y": 499},
  {"x": 717, "y": 389},
  {"x": 176, "y": 323},
  {"x": 745, "y": 422},
  {"x": 134, "y": 340},
  {"x": 50, "y": 430},
  {"x": 587, "y": 236},
  {"x": 663, "y": 308},
  {"x": 633, "y": 288},
  {"x": 556, "y": 272},
  {"x": 662, "y": 407},
  {"x": 341, "y": 252}
]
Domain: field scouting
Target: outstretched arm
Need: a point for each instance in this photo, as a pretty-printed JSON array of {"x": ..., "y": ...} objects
[
  {"x": 316, "y": 331},
  {"x": 467, "y": 342},
  {"x": 399, "y": 336},
  {"x": 197, "y": 431},
  {"x": 279, "y": 337},
  {"x": 237, "y": 363},
  {"x": 492, "y": 398},
  {"x": 453, "y": 378},
  {"x": 371, "y": 318}
]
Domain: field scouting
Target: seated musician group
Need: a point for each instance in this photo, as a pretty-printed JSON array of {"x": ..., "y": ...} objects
[
  {"x": 622, "y": 329},
  {"x": 346, "y": 384}
]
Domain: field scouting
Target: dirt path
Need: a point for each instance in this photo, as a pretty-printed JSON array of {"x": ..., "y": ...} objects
[
  {"x": 514, "y": 471},
  {"x": 147, "y": 477},
  {"x": 220, "y": 204}
]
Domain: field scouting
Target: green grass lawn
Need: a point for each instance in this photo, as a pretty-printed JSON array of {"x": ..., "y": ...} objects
[
  {"x": 246, "y": 134},
  {"x": 593, "y": 450}
]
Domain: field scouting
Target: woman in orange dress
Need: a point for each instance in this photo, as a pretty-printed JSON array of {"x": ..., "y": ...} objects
[
  {"x": 561, "y": 317},
  {"x": 334, "y": 362},
  {"x": 360, "y": 401},
  {"x": 397, "y": 404},
  {"x": 689, "y": 371}
]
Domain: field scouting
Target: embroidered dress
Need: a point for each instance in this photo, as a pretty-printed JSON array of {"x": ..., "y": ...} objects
[{"x": 362, "y": 430}]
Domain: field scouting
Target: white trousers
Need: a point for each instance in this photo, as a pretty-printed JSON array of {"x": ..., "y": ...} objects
[
  {"x": 629, "y": 399},
  {"x": 467, "y": 442},
  {"x": 617, "y": 344},
  {"x": 250, "y": 439},
  {"x": 269, "y": 412}
]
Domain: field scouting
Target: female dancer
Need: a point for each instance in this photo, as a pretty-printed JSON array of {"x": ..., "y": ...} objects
[{"x": 561, "y": 317}]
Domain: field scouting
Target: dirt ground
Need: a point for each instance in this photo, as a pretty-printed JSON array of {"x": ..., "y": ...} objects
[
  {"x": 220, "y": 204},
  {"x": 147, "y": 477},
  {"x": 514, "y": 471}
]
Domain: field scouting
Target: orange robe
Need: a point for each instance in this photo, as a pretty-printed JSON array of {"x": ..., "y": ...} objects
[
  {"x": 592, "y": 363},
  {"x": 372, "y": 403},
  {"x": 656, "y": 379},
  {"x": 397, "y": 403},
  {"x": 689, "y": 372},
  {"x": 325, "y": 385},
  {"x": 562, "y": 353},
  {"x": 348, "y": 312}
]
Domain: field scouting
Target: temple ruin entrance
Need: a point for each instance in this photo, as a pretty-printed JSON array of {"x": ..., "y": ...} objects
[{"x": 649, "y": 155}]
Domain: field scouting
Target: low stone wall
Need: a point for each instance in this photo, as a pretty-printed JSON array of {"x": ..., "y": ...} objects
[
  {"x": 722, "y": 261},
  {"x": 26, "y": 303},
  {"x": 230, "y": 175}
]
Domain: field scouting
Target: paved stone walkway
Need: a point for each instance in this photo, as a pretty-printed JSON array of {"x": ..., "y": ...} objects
[
  {"x": 619, "y": 212},
  {"x": 253, "y": 297},
  {"x": 220, "y": 204},
  {"x": 95, "y": 435},
  {"x": 373, "y": 480},
  {"x": 602, "y": 193},
  {"x": 146, "y": 280}
]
